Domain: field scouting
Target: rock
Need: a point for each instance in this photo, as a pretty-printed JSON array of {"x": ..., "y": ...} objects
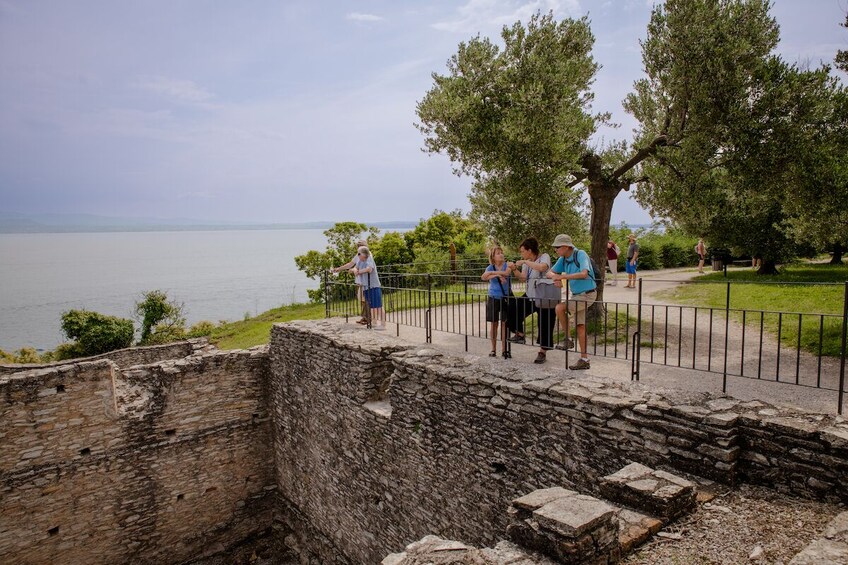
[{"x": 756, "y": 553}]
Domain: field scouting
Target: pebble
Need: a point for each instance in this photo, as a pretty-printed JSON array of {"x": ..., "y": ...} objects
[{"x": 756, "y": 553}]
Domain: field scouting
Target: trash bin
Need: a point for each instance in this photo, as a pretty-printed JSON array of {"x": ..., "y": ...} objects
[{"x": 719, "y": 257}]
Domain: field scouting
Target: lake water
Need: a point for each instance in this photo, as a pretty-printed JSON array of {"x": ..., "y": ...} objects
[{"x": 218, "y": 275}]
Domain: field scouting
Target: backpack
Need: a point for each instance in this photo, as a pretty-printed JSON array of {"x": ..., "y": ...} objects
[{"x": 596, "y": 272}]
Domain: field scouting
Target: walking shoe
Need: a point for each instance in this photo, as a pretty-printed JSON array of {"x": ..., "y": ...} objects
[
  {"x": 567, "y": 344},
  {"x": 581, "y": 364},
  {"x": 518, "y": 339},
  {"x": 540, "y": 358}
]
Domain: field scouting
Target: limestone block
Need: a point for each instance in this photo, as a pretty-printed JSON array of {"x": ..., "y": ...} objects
[
  {"x": 837, "y": 530},
  {"x": 822, "y": 551},
  {"x": 566, "y": 526},
  {"x": 658, "y": 493}
]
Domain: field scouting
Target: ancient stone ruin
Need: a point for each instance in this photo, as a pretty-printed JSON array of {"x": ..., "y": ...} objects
[{"x": 352, "y": 447}]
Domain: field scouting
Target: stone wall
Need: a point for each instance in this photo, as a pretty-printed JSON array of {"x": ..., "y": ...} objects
[
  {"x": 127, "y": 357},
  {"x": 456, "y": 438},
  {"x": 154, "y": 464}
]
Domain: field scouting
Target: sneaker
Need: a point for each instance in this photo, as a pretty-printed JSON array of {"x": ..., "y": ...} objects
[
  {"x": 581, "y": 364},
  {"x": 518, "y": 339},
  {"x": 567, "y": 344},
  {"x": 540, "y": 358}
]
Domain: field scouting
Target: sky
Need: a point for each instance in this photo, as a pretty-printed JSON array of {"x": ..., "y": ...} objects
[{"x": 276, "y": 111}]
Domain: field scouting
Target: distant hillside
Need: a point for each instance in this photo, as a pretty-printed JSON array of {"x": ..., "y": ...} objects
[{"x": 69, "y": 223}]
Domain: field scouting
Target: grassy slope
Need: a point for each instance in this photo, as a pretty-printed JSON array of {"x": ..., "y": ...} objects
[
  {"x": 756, "y": 294},
  {"x": 256, "y": 331}
]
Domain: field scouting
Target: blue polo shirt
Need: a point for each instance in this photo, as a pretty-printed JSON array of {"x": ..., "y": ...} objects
[{"x": 579, "y": 261}]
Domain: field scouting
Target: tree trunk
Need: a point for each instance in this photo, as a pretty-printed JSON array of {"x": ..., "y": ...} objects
[
  {"x": 837, "y": 254},
  {"x": 602, "y": 197},
  {"x": 768, "y": 267}
]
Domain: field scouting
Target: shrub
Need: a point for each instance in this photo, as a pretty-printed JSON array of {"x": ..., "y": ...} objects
[
  {"x": 162, "y": 320},
  {"x": 96, "y": 333},
  {"x": 203, "y": 328}
]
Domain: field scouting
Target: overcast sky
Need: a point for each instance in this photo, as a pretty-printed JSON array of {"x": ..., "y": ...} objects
[{"x": 274, "y": 111}]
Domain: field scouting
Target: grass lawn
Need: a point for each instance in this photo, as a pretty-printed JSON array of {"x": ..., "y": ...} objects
[
  {"x": 772, "y": 294},
  {"x": 257, "y": 331}
]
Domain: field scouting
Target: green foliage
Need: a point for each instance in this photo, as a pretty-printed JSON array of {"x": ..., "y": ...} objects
[
  {"x": 391, "y": 249},
  {"x": 96, "y": 333},
  {"x": 162, "y": 320},
  {"x": 841, "y": 59},
  {"x": 413, "y": 251},
  {"x": 203, "y": 328},
  {"x": 517, "y": 120},
  {"x": 341, "y": 247},
  {"x": 26, "y": 355},
  {"x": 755, "y": 155}
]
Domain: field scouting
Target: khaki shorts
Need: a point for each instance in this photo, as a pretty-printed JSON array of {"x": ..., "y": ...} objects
[{"x": 578, "y": 304}]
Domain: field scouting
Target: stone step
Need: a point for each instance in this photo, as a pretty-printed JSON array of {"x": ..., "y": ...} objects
[
  {"x": 656, "y": 493},
  {"x": 566, "y": 526},
  {"x": 635, "y": 528}
]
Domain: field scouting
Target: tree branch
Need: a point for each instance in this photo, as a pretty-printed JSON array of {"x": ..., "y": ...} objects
[
  {"x": 578, "y": 178},
  {"x": 640, "y": 156}
]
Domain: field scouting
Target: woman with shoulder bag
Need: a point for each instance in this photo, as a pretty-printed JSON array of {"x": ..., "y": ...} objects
[{"x": 542, "y": 296}]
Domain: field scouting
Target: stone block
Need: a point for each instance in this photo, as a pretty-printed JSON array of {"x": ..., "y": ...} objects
[
  {"x": 658, "y": 493},
  {"x": 634, "y": 529},
  {"x": 566, "y": 526},
  {"x": 822, "y": 551}
]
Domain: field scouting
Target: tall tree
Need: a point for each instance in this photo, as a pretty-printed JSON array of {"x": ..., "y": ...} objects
[
  {"x": 518, "y": 121},
  {"x": 709, "y": 73},
  {"x": 745, "y": 141}
]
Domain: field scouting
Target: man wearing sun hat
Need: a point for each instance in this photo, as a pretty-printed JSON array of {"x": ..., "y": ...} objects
[{"x": 574, "y": 267}]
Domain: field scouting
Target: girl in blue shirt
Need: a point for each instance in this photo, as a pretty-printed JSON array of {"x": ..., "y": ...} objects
[{"x": 498, "y": 275}]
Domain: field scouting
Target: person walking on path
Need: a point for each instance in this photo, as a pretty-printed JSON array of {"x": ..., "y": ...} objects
[
  {"x": 701, "y": 250},
  {"x": 541, "y": 297},
  {"x": 368, "y": 278},
  {"x": 632, "y": 261},
  {"x": 613, "y": 252},
  {"x": 498, "y": 275},
  {"x": 366, "y": 312},
  {"x": 573, "y": 266}
]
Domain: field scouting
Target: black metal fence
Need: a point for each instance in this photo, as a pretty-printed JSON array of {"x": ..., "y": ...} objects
[{"x": 804, "y": 349}]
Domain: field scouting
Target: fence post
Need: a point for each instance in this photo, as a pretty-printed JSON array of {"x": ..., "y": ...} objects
[
  {"x": 326, "y": 294},
  {"x": 726, "y": 337},
  {"x": 842, "y": 351},
  {"x": 428, "y": 322},
  {"x": 637, "y": 346}
]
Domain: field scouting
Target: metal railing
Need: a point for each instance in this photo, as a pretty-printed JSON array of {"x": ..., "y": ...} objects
[{"x": 798, "y": 348}]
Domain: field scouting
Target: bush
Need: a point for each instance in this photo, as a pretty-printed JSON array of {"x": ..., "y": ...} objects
[
  {"x": 96, "y": 333},
  {"x": 203, "y": 328},
  {"x": 162, "y": 320},
  {"x": 649, "y": 259}
]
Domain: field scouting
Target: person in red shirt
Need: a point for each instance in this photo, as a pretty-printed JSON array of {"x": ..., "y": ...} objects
[{"x": 613, "y": 252}]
